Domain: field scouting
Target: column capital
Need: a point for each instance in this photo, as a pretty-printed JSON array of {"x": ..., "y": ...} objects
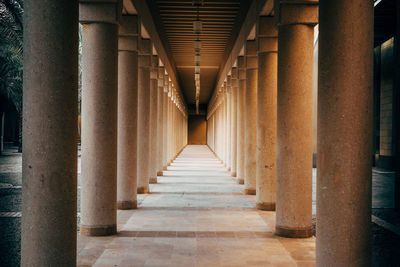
[
  {"x": 161, "y": 72},
  {"x": 107, "y": 11},
  {"x": 166, "y": 83},
  {"x": 289, "y": 12},
  {"x": 234, "y": 72},
  {"x": 251, "y": 54},
  {"x": 128, "y": 32},
  {"x": 241, "y": 63},
  {"x": 229, "y": 83},
  {"x": 267, "y": 35},
  {"x": 154, "y": 67},
  {"x": 145, "y": 47},
  {"x": 235, "y": 77}
]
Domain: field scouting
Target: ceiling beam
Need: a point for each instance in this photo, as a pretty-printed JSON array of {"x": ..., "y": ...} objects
[
  {"x": 159, "y": 41},
  {"x": 256, "y": 8}
]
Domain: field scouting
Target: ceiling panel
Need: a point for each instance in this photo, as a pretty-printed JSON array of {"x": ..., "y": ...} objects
[{"x": 221, "y": 20}]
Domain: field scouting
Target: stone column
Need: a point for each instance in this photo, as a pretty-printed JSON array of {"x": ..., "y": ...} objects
[
  {"x": 160, "y": 121},
  {"x": 266, "y": 113},
  {"x": 99, "y": 117},
  {"x": 344, "y": 133},
  {"x": 143, "y": 168},
  {"x": 169, "y": 123},
  {"x": 153, "y": 160},
  {"x": 241, "y": 112},
  {"x": 49, "y": 161},
  {"x": 223, "y": 125},
  {"x": 127, "y": 113},
  {"x": 234, "y": 85},
  {"x": 294, "y": 118},
  {"x": 228, "y": 121},
  {"x": 251, "y": 118},
  {"x": 165, "y": 122}
]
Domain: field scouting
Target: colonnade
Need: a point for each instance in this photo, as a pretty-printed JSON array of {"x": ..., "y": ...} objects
[
  {"x": 259, "y": 123},
  {"x": 271, "y": 125},
  {"x": 134, "y": 123}
]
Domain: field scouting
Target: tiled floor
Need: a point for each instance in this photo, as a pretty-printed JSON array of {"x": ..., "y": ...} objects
[{"x": 195, "y": 216}]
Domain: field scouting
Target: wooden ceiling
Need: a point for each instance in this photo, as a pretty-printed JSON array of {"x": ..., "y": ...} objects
[{"x": 221, "y": 21}]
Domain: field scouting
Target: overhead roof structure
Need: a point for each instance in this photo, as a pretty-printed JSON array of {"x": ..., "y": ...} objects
[{"x": 170, "y": 25}]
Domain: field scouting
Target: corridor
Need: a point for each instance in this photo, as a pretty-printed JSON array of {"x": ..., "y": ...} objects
[{"x": 196, "y": 215}]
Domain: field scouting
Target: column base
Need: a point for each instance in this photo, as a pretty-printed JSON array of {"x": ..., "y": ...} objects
[
  {"x": 269, "y": 206},
  {"x": 143, "y": 190},
  {"x": 153, "y": 180},
  {"x": 160, "y": 173},
  {"x": 240, "y": 181},
  {"x": 301, "y": 232},
  {"x": 233, "y": 174},
  {"x": 98, "y": 230},
  {"x": 127, "y": 205},
  {"x": 248, "y": 191}
]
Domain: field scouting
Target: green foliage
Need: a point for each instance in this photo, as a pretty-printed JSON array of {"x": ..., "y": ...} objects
[{"x": 11, "y": 50}]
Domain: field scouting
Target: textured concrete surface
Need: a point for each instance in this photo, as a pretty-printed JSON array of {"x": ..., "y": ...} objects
[
  {"x": 250, "y": 134},
  {"x": 49, "y": 134},
  {"x": 294, "y": 130},
  {"x": 345, "y": 128}
]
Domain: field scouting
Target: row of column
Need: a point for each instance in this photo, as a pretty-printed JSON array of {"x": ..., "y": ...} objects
[
  {"x": 133, "y": 124},
  {"x": 272, "y": 124}
]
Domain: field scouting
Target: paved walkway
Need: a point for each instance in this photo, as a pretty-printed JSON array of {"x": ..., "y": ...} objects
[{"x": 195, "y": 216}]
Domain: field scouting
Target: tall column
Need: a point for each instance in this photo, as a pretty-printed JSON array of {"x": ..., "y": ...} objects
[
  {"x": 266, "y": 113},
  {"x": 228, "y": 121},
  {"x": 49, "y": 161},
  {"x": 143, "y": 167},
  {"x": 251, "y": 118},
  {"x": 160, "y": 121},
  {"x": 294, "y": 118},
  {"x": 99, "y": 118},
  {"x": 153, "y": 160},
  {"x": 169, "y": 123},
  {"x": 224, "y": 126},
  {"x": 344, "y": 133},
  {"x": 165, "y": 122},
  {"x": 241, "y": 112},
  {"x": 234, "y": 85},
  {"x": 127, "y": 113}
]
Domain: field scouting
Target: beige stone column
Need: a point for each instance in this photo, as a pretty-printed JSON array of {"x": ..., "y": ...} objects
[
  {"x": 153, "y": 160},
  {"x": 169, "y": 123},
  {"x": 344, "y": 133},
  {"x": 266, "y": 113},
  {"x": 223, "y": 125},
  {"x": 160, "y": 121},
  {"x": 241, "y": 112},
  {"x": 234, "y": 85},
  {"x": 165, "y": 122},
  {"x": 294, "y": 119},
  {"x": 228, "y": 121},
  {"x": 99, "y": 118},
  {"x": 49, "y": 161},
  {"x": 143, "y": 167},
  {"x": 251, "y": 118},
  {"x": 127, "y": 113}
]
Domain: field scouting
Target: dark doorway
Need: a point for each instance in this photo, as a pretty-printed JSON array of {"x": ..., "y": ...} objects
[{"x": 197, "y": 130}]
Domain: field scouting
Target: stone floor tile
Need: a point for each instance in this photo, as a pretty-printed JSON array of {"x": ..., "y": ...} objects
[{"x": 195, "y": 218}]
